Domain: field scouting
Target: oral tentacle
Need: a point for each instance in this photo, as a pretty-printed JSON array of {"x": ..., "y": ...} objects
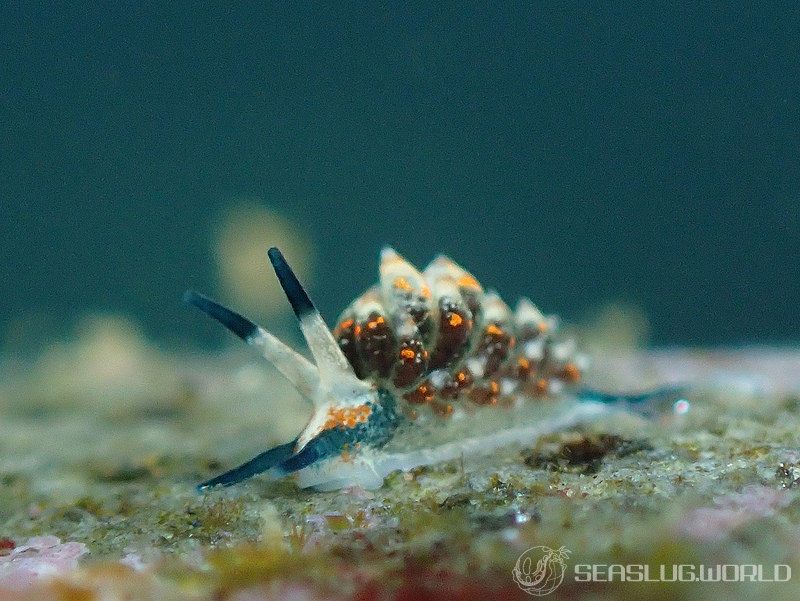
[
  {"x": 257, "y": 465},
  {"x": 294, "y": 367}
]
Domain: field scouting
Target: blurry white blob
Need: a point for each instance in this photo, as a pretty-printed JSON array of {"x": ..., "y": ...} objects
[
  {"x": 616, "y": 328},
  {"x": 241, "y": 238},
  {"x": 110, "y": 363}
]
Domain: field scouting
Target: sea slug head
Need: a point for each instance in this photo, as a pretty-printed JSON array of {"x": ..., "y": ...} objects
[{"x": 350, "y": 416}]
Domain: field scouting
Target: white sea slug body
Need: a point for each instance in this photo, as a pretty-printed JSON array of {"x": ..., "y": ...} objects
[{"x": 421, "y": 368}]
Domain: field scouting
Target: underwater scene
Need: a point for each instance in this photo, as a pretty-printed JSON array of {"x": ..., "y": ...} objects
[{"x": 398, "y": 302}]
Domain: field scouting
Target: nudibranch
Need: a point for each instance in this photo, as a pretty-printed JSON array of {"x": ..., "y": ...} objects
[{"x": 424, "y": 367}]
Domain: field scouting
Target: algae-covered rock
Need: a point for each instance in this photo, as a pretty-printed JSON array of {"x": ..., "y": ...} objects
[{"x": 116, "y": 481}]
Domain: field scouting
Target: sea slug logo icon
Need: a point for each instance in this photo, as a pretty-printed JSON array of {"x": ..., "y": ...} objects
[{"x": 540, "y": 570}]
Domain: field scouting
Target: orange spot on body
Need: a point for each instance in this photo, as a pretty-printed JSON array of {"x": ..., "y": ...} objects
[
  {"x": 407, "y": 354},
  {"x": 460, "y": 382},
  {"x": 347, "y": 416},
  {"x": 571, "y": 373},
  {"x": 467, "y": 281},
  {"x": 443, "y": 410},
  {"x": 541, "y": 386},
  {"x": 424, "y": 393},
  {"x": 455, "y": 320},
  {"x": 485, "y": 394},
  {"x": 402, "y": 283},
  {"x": 375, "y": 322},
  {"x": 494, "y": 330}
]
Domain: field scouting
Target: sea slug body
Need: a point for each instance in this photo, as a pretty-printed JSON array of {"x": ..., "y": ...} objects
[{"x": 423, "y": 367}]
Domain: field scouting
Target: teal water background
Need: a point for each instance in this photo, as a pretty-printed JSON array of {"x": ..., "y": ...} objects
[{"x": 580, "y": 153}]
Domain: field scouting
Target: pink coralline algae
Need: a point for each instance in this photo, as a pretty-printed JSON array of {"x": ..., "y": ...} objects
[
  {"x": 39, "y": 557},
  {"x": 731, "y": 511}
]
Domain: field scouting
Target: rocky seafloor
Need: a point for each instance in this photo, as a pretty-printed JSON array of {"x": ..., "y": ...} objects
[{"x": 102, "y": 442}]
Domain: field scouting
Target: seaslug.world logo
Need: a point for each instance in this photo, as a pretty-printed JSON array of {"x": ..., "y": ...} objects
[{"x": 540, "y": 570}]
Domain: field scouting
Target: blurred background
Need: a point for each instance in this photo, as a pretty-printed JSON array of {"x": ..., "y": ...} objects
[{"x": 594, "y": 157}]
